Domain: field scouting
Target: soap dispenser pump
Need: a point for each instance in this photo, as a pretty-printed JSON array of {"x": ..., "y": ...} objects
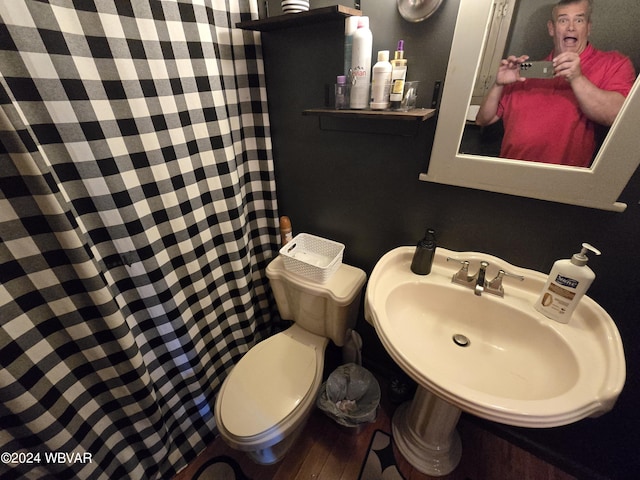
[
  {"x": 568, "y": 281},
  {"x": 423, "y": 256}
]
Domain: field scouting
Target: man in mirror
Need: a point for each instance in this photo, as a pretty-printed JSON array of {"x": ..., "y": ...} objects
[{"x": 557, "y": 120}]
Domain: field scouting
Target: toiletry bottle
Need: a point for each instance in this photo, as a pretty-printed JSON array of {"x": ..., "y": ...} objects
[
  {"x": 398, "y": 76},
  {"x": 341, "y": 93},
  {"x": 568, "y": 281},
  {"x": 286, "y": 233},
  {"x": 361, "y": 65},
  {"x": 381, "y": 82},
  {"x": 350, "y": 27},
  {"x": 423, "y": 256}
]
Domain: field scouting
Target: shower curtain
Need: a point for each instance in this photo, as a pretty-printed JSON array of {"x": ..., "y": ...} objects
[{"x": 137, "y": 216}]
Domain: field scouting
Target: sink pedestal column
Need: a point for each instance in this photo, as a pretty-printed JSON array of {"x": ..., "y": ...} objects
[{"x": 424, "y": 431}]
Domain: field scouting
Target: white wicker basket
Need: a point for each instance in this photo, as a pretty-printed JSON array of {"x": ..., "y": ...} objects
[{"x": 312, "y": 257}]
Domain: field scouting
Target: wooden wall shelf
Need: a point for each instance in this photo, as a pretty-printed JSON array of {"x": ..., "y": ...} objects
[
  {"x": 418, "y": 114},
  {"x": 317, "y": 15}
]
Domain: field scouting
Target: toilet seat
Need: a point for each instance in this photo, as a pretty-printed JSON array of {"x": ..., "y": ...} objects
[{"x": 270, "y": 388}]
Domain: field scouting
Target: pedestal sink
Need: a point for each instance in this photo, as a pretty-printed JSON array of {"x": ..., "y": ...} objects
[{"x": 494, "y": 357}]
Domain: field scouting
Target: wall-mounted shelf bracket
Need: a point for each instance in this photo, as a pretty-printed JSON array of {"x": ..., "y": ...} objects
[{"x": 385, "y": 122}]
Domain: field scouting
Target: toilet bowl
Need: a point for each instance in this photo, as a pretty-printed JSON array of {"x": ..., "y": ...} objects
[{"x": 267, "y": 397}]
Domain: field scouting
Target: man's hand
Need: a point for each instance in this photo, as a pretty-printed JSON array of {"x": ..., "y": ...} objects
[
  {"x": 567, "y": 65},
  {"x": 509, "y": 70}
]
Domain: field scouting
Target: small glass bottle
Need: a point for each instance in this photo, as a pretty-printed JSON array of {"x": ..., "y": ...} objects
[{"x": 341, "y": 93}]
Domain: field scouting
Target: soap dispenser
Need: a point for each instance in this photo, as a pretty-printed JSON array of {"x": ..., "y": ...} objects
[
  {"x": 568, "y": 281},
  {"x": 423, "y": 256}
]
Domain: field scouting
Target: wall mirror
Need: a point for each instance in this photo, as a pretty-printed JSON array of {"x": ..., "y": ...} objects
[{"x": 597, "y": 187}]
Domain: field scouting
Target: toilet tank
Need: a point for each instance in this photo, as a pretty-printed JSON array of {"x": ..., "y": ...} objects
[{"x": 328, "y": 309}]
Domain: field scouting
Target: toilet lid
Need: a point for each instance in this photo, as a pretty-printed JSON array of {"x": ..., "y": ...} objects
[{"x": 266, "y": 385}]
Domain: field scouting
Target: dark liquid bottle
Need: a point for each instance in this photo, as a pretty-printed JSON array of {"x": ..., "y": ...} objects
[{"x": 423, "y": 257}]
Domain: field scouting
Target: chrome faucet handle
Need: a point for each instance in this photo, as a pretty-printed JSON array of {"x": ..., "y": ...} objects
[
  {"x": 461, "y": 276},
  {"x": 503, "y": 273},
  {"x": 495, "y": 285},
  {"x": 451, "y": 259}
]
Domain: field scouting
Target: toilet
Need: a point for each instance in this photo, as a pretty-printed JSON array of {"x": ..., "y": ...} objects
[{"x": 267, "y": 397}]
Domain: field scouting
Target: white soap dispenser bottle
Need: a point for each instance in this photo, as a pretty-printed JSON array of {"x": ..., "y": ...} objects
[{"x": 568, "y": 281}]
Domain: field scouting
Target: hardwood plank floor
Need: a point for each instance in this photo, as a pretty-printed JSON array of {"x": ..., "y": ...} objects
[{"x": 326, "y": 451}]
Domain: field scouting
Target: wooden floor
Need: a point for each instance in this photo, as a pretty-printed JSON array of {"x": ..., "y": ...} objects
[{"x": 326, "y": 452}]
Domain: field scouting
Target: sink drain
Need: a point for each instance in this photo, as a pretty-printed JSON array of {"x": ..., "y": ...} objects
[{"x": 461, "y": 340}]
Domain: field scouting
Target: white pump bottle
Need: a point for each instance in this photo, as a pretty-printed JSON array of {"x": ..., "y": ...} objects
[{"x": 568, "y": 281}]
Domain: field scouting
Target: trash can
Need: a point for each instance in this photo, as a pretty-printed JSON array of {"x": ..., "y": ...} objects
[{"x": 350, "y": 396}]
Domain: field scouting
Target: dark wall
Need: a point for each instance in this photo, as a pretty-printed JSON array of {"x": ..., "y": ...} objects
[{"x": 355, "y": 183}]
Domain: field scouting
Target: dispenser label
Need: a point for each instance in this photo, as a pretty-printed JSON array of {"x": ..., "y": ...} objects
[
  {"x": 566, "y": 281},
  {"x": 561, "y": 292},
  {"x": 556, "y": 301},
  {"x": 358, "y": 72},
  {"x": 397, "y": 86}
]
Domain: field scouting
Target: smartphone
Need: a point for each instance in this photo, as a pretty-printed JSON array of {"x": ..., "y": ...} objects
[{"x": 536, "y": 69}]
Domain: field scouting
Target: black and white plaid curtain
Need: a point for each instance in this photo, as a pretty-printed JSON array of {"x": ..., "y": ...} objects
[{"x": 137, "y": 215}]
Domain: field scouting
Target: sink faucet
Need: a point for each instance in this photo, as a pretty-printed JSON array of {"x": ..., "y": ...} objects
[{"x": 478, "y": 282}]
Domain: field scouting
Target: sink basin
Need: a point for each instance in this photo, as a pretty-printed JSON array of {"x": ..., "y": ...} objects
[
  {"x": 502, "y": 354},
  {"x": 519, "y": 367},
  {"x": 497, "y": 358}
]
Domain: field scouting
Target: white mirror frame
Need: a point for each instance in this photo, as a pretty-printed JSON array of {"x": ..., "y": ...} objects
[{"x": 595, "y": 187}]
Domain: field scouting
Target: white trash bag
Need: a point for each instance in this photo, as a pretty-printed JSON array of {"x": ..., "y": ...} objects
[{"x": 350, "y": 395}]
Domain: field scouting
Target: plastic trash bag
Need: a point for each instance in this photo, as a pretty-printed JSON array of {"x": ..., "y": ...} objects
[
  {"x": 352, "y": 348},
  {"x": 350, "y": 396}
]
